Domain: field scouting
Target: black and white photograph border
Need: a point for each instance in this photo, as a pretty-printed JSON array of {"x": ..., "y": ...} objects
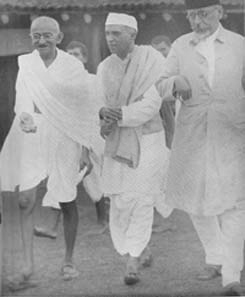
[{"x": 177, "y": 253}]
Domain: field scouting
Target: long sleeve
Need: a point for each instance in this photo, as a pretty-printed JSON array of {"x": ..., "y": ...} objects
[
  {"x": 142, "y": 111},
  {"x": 165, "y": 84}
]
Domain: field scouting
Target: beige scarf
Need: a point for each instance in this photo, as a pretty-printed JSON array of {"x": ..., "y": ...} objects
[{"x": 143, "y": 70}]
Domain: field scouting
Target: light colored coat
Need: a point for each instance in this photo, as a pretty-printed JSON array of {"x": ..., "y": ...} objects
[{"x": 207, "y": 166}]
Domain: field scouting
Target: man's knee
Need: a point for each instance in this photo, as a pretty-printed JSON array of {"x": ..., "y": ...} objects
[
  {"x": 68, "y": 208},
  {"x": 27, "y": 199}
]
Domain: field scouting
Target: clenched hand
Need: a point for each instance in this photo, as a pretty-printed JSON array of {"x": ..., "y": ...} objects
[
  {"x": 113, "y": 114},
  {"x": 182, "y": 87},
  {"x": 27, "y": 123}
]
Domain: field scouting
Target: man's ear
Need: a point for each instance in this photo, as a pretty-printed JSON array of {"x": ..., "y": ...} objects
[
  {"x": 85, "y": 59},
  {"x": 133, "y": 35},
  {"x": 221, "y": 12},
  {"x": 60, "y": 37}
]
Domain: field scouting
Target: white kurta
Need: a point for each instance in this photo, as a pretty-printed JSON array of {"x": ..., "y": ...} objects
[
  {"x": 206, "y": 175},
  {"x": 206, "y": 172},
  {"x": 148, "y": 177},
  {"x": 135, "y": 191}
]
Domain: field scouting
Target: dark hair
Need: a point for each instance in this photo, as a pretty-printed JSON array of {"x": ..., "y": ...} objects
[
  {"x": 77, "y": 44},
  {"x": 161, "y": 38}
]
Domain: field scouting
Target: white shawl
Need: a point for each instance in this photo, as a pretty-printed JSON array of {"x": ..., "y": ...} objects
[{"x": 64, "y": 100}]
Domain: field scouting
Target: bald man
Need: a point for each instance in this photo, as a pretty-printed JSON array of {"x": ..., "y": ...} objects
[
  {"x": 92, "y": 182},
  {"x": 50, "y": 137}
]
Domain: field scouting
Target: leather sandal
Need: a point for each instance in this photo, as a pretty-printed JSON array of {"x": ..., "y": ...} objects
[
  {"x": 131, "y": 278},
  {"x": 69, "y": 272}
]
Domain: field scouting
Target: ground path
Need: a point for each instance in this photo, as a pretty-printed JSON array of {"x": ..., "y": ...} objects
[{"x": 178, "y": 257}]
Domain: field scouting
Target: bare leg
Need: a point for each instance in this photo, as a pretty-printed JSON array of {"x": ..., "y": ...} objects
[
  {"x": 164, "y": 225},
  {"x": 50, "y": 232},
  {"x": 102, "y": 208},
  {"x": 146, "y": 258},
  {"x": 70, "y": 221},
  {"x": 27, "y": 201},
  {"x": 56, "y": 220}
]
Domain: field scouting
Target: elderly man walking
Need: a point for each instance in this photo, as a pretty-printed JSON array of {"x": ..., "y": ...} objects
[
  {"x": 49, "y": 137},
  {"x": 135, "y": 157},
  {"x": 207, "y": 165},
  {"x": 92, "y": 181}
]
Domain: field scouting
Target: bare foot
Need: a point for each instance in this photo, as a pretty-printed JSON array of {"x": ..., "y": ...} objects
[
  {"x": 146, "y": 258},
  {"x": 43, "y": 232},
  {"x": 27, "y": 272},
  {"x": 98, "y": 230},
  {"x": 69, "y": 272},
  {"x": 21, "y": 281}
]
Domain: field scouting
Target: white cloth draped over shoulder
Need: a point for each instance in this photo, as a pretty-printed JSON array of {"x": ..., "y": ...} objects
[
  {"x": 64, "y": 98},
  {"x": 141, "y": 71},
  {"x": 149, "y": 176},
  {"x": 66, "y": 120},
  {"x": 134, "y": 190}
]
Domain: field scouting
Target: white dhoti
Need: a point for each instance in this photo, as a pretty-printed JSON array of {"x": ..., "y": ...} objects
[
  {"x": 223, "y": 240},
  {"x": 93, "y": 182},
  {"x": 62, "y": 156},
  {"x": 139, "y": 191},
  {"x": 59, "y": 100}
]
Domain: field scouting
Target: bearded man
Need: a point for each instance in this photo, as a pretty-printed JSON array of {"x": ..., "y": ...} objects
[{"x": 207, "y": 166}]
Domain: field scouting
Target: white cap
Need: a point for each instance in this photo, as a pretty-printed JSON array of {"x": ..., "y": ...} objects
[{"x": 121, "y": 19}]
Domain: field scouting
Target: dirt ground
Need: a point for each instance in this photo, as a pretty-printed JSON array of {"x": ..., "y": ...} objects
[{"x": 178, "y": 256}]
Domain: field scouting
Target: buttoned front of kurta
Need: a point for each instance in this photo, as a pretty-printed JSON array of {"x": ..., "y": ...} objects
[{"x": 207, "y": 167}]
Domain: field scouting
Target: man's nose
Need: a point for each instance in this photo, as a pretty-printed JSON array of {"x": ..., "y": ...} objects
[
  {"x": 42, "y": 39},
  {"x": 109, "y": 37},
  {"x": 197, "y": 19}
]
